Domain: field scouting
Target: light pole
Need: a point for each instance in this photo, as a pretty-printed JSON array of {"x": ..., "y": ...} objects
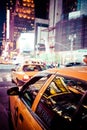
[{"x": 71, "y": 38}]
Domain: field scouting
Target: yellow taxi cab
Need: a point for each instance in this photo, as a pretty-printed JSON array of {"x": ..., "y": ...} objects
[
  {"x": 53, "y": 99},
  {"x": 23, "y": 72}
]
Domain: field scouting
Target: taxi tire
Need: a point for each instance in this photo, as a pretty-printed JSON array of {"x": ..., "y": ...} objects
[
  {"x": 13, "y": 81},
  {"x": 19, "y": 82}
]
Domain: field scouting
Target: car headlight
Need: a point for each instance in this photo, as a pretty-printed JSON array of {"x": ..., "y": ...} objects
[{"x": 26, "y": 77}]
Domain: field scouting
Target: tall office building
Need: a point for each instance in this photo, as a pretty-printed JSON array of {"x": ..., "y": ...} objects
[
  {"x": 82, "y": 6},
  {"x": 73, "y": 22},
  {"x": 74, "y": 5},
  {"x": 22, "y": 19},
  {"x": 67, "y": 26}
]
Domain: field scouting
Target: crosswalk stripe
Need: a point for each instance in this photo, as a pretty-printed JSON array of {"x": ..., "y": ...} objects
[
  {"x": 8, "y": 79},
  {"x": 7, "y": 87},
  {"x": 1, "y": 80},
  {"x": 5, "y": 79}
]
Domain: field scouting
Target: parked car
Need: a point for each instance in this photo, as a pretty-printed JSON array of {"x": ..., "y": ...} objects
[
  {"x": 74, "y": 64},
  {"x": 23, "y": 72},
  {"x": 53, "y": 99}
]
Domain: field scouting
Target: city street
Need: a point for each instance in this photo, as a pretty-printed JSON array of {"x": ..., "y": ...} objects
[
  {"x": 43, "y": 64},
  {"x": 5, "y": 83}
]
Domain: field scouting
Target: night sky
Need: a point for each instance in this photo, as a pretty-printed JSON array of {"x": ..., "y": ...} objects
[
  {"x": 2, "y": 15},
  {"x": 40, "y": 11},
  {"x": 41, "y": 8}
]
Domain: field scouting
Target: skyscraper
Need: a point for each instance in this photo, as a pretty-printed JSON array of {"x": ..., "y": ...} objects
[{"x": 22, "y": 18}]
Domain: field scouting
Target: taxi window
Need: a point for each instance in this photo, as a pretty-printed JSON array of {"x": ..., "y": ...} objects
[
  {"x": 33, "y": 67},
  {"x": 58, "y": 104},
  {"x": 77, "y": 84},
  {"x": 56, "y": 87},
  {"x": 50, "y": 98},
  {"x": 28, "y": 68},
  {"x": 30, "y": 93}
]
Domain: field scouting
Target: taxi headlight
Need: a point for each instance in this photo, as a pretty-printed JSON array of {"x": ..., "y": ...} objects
[{"x": 26, "y": 77}]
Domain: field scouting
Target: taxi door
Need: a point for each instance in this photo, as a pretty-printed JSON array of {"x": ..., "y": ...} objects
[
  {"x": 14, "y": 108},
  {"x": 24, "y": 118}
]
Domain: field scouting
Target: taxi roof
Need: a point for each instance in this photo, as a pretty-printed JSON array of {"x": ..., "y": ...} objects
[{"x": 79, "y": 72}]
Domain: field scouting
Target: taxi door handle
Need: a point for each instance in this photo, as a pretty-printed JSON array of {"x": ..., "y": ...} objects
[{"x": 21, "y": 117}]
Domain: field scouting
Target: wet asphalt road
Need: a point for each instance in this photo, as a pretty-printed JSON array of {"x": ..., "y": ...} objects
[{"x": 5, "y": 83}]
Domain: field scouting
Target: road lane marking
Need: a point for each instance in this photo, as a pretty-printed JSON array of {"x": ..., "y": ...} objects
[{"x": 1, "y": 79}]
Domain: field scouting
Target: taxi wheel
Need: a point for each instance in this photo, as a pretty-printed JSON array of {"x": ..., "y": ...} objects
[
  {"x": 13, "y": 81},
  {"x": 18, "y": 83}
]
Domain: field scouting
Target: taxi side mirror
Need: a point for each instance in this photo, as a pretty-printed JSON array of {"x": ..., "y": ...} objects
[
  {"x": 13, "y": 69},
  {"x": 13, "y": 91}
]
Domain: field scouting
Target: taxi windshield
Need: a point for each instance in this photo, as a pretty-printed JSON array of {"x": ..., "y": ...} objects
[
  {"x": 56, "y": 87},
  {"x": 62, "y": 85},
  {"x": 33, "y": 67}
]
